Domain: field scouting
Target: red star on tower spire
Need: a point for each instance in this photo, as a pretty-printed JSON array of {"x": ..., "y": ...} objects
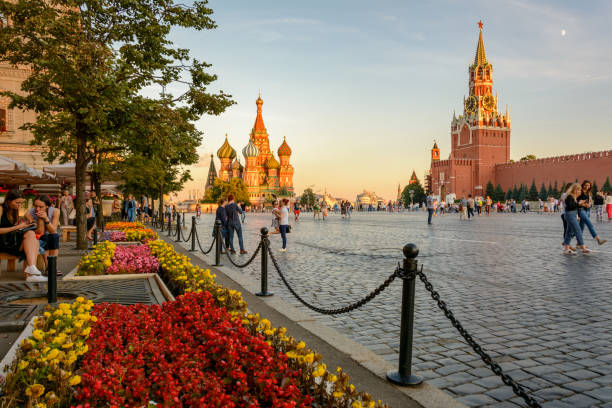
[{"x": 480, "y": 24}]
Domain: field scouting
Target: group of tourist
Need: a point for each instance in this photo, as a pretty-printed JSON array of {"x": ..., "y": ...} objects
[
  {"x": 26, "y": 236},
  {"x": 577, "y": 202}
]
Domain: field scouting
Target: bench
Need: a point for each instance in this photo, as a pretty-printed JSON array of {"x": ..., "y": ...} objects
[
  {"x": 11, "y": 262},
  {"x": 67, "y": 230}
]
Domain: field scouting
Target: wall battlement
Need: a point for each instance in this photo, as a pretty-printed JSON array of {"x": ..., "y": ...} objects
[{"x": 557, "y": 159}]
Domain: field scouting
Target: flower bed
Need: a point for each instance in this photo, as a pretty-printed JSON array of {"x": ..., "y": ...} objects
[
  {"x": 42, "y": 374},
  {"x": 204, "y": 349},
  {"x": 109, "y": 259},
  {"x": 114, "y": 236},
  {"x": 122, "y": 226},
  {"x": 128, "y": 231}
]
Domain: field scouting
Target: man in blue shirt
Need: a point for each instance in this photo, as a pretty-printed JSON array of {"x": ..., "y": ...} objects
[{"x": 430, "y": 207}]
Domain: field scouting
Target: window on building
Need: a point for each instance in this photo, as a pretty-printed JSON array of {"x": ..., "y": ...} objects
[{"x": 2, "y": 120}]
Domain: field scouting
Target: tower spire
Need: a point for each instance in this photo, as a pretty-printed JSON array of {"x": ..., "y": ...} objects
[
  {"x": 259, "y": 123},
  {"x": 481, "y": 56}
]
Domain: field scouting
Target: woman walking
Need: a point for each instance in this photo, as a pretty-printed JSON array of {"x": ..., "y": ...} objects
[
  {"x": 66, "y": 207},
  {"x": 276, "y": 215},
  {"x": 284, "y": 222},
  {"x": 609, "y": 206},
  {"x": 571, "y": 218},
  {"x": 14, "y": 240},
  {"x": 585, "y": 201}
]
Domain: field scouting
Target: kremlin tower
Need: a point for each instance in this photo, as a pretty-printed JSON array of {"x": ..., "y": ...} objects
[{"x": 262, "y": 173}]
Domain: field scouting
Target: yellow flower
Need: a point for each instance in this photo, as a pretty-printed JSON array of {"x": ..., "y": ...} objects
[
  {"x": 300, "y": 345},
  {"x": 35, "y": 390},
  {"x": 23, "y": 364},
  {"x": 47, "y": 314},
  {"x": 309, "y": 358},
  {"x": 37, "y": 334},
  {"x": 52, "y": 354},
  {"x": 86, "y": 331},
  {"x": 74, "y": 380},
  {"x": 338, "y": 394},
  {"x": 356, "y": 404},
  {"x": 333, "y": 378},
  {"x": 292, "y": 354}
]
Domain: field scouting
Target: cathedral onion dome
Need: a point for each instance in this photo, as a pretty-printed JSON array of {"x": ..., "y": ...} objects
[
  {"x": 284, "y": 149},
  {"x": 226, "y": 151},
  {"x": 272, "y": 163},
  {"x": 250, "y": 150}
]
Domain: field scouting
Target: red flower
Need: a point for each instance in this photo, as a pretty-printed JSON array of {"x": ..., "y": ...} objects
[{"x": 184, "y": 353}]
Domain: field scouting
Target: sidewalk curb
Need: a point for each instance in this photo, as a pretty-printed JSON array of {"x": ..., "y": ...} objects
[{"x": 424, "y": 395}]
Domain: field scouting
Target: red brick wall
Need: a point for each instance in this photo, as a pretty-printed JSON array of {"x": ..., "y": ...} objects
[{"x": 590, "y": 166}]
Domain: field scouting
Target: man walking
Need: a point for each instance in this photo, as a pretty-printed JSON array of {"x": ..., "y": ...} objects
[
  {"x": 430, "y": 207},
  {"x": 470, "y": 206},
  {"x": 233, "y": 223}
]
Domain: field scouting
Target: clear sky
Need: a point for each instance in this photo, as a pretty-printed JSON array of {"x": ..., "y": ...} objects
[{"x": 361, "y": 89}]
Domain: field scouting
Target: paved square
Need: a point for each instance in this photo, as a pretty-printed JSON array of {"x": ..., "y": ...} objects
[{"x": 544, "y": 316}]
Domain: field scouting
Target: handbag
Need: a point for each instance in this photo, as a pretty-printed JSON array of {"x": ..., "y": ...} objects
[
  {"x": 11, "y": 239},
  {"x": 288, "y": 229}
]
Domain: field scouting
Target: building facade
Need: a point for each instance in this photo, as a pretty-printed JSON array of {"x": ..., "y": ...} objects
[
  {"x": 480, "y": 146},
  {"x": 263, "y": 174},
  {"x": 15, "y": 142}
]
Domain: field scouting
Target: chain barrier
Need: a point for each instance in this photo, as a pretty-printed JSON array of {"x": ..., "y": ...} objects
[
  {"x": 200, "y": 246},
  {"x": 516, "y": 387},
  {"x": 244, "y": 265},
  {"x": 188, "y": 237},
  {"x": 344, "y": 309}
]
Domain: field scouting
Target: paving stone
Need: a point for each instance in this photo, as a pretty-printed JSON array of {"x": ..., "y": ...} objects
[
  {"x": 581, "y": 401},
  {"x": 502, "y": 393},
  {"x": 467, "y": 389},
  {"x": 476, "y": 400},
  {"x": 552, "y": 393},
  {"x": 604, "y": 394},
  {"x": 581, "y": 386},
  {"x": 544, "y": 317}
]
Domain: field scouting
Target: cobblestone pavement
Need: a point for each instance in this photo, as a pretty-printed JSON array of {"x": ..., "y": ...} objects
[{"x": 545, "y": 316}]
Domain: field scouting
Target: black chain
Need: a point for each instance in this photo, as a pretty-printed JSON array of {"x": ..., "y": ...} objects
[
  {"x": 211, "y": 244},
  {"x": 188, "y": 236},
  {"x": 516, "y": 387},
  {"x": 344, "y": 309},
  {"x": 244, "y": 265}
]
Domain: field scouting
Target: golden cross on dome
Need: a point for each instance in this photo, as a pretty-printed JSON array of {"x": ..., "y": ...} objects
[{"x": 480, "y": 24}]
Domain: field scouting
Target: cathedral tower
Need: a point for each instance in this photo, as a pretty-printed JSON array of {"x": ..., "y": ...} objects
[
  {"x": 286, "y": 169},
  {"x": 259, "y": 135},
  {"x": 212, "y": 174},
  {"x": 226, "y": 154}
]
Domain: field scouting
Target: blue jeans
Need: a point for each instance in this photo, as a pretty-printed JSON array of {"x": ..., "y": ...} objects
[
  {"x": 585, "y": 218},
  {"x": 238, "y": 229},
  {"x": 283, "y": 231},
  {"x": 130, "y": 214},
  {"x": 430, "y": 213},
  {"x": 573, "y": 229}
]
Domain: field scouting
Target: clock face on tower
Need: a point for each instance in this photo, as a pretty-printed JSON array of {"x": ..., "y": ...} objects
[
  {"x": 470, "y": 104},
  {"x": 488, "y": 102}
]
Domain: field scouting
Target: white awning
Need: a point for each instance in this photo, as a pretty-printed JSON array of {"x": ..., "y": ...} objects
[{"x": 15, "y": 172}]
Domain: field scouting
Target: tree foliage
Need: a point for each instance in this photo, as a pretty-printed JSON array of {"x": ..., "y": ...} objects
[
  {"x": 221, "y": 189},
  {"x": 528, "y": 157},
  {"x": 543, "y": 192},
  {"x": 607, "y": 188},
  {"x": 532, "y": 194},
  {"x": 88, "y": 60},
  {"x": 498, "y": 193},
  {"x": 308, "y": 198},
  {"x": 490, "y": 189},
  {"x": 418, "y": 193}
]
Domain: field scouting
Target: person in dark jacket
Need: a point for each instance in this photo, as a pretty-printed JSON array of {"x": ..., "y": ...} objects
[
  {"x": 221, "y": 215},
  {"x": 233, "y": 224},
  {"x": 572, "y": 204}
]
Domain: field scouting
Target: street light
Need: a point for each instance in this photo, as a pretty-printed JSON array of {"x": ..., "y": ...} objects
[{"x": 411, "y": 192}]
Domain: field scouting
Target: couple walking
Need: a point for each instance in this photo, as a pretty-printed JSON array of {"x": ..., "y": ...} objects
[
  {"x": 229, "y": 215},
  {"x": 280, "y": 220},
  {"x": 578, "y": 200}
]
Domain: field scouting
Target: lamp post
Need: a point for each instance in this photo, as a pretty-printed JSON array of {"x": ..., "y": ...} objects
[{"x": 411, "y": 192}]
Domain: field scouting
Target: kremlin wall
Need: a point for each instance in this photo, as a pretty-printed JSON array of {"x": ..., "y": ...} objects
[{"x": 480, "y": 147}]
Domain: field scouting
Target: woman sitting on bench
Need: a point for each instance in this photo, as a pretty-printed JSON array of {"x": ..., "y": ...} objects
[
  {"x": 14, "y": 240},
  {"x": 46, "y": 219}
]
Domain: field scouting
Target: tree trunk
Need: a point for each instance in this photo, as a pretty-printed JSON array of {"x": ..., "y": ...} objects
[
  {"x": 97, "y": 182},
  {"x": 80, "y": 172},
  {"x": 161, "y": 200}
]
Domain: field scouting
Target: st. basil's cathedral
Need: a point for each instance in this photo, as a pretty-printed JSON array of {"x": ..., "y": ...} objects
[{"x": 263, "y": 174}]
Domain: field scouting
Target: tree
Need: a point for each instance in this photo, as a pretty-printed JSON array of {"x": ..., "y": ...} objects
[
  {"x": 515, "y": 193},
  {"x": 543, "y": 192},
  {"x": 607, "y": 188},
  {"x": 88, "y": 60},
  {"x": 221, "y": 189},
  {"x": 308, "y": 198},
  {"x": 595, "y": 190},
  {"x": 418, "y": 193},
  {"x": 490, "y": 190},
  {"x": 528, "y": 157},
  {"x": 555, "y": 190},
  {"x": 498, "y": 194},
  {"x": 532, "y": 195},
  {"x": 509, "y": 194},
  {"x": 522, "y": 193}
]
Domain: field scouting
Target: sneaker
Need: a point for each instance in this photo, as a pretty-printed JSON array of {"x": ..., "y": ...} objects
[
  {"x": 283, "y": 249},
  {"x": 569, "y": 252},
  {"x": 36, "y": 278},
  {"x": 32, "y": 270},
  {"x": 242, "y": 252}
]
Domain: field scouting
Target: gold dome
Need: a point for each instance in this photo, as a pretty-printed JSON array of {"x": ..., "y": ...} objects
[
  {"x": 284, "y": 149},
  {"x": 226, "y": 151},
  {"x": 272, "y": 163}
]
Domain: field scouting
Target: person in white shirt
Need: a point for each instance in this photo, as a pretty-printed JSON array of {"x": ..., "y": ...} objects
[{"x": 284, "y": 222}]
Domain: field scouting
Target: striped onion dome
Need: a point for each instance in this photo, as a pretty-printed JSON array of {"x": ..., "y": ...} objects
[
  {"x": 272, "y": 163},
  {"x": 284, "y": 149},
  {"x": 226, "y": 151},
  {"x": 250, "y": 150}
]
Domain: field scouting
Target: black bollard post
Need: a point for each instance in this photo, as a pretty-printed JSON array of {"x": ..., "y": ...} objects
[
  {"x": 52, "y": 279},
  {"x": 95, "y": 236},
  {"x": 178, "y": 227},
  {"x": 193, "y": 233},
  {"x": 404, "y": 375},
  {"x": 264, "y": 264},
  {"x": 218, "y": 243},
  {"x": 169, "y": 225}
]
